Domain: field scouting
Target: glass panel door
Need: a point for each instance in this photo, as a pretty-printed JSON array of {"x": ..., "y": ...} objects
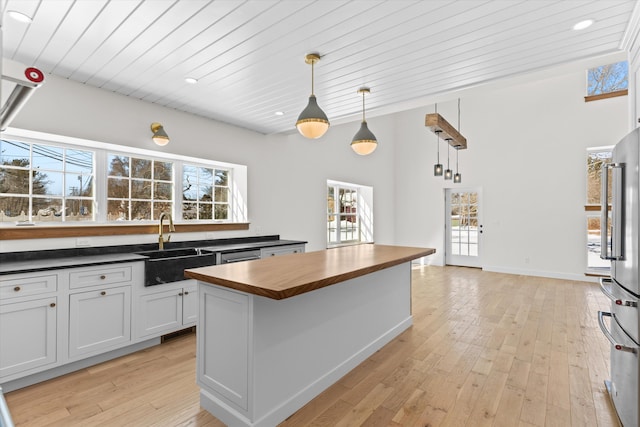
[{"x": 463, "y": 227}]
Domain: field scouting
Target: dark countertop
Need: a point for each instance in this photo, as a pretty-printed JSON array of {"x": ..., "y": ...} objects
[{"x": 30, "y": 261}]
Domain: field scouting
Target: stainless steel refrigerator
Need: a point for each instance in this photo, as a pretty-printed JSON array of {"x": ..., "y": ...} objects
[{"x": 620, "y": 245}]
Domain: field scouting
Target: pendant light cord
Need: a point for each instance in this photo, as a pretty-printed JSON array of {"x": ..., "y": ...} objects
[
  {"x": 363, "y": 119},
  {"x": 438, "y": 133},
  {"x": 313, "y": 63}
]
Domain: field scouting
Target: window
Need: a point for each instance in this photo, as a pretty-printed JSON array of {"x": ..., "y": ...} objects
[
  {"x": 41, "y": 182},
  {"x": 597, "y": 158},
  {"x": 607, "y": 81},
  {"x": 349, "y": 214},
  {"x": 61, "y": 180},
  {"x": 138, "y": 188},
  {"x": 205, "y": 193}
]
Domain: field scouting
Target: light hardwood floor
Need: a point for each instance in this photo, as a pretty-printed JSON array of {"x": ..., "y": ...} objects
[{"x": 485, "y": 349}]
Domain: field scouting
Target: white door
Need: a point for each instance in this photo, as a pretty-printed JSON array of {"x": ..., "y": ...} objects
[{"x": 463, "y": 223}]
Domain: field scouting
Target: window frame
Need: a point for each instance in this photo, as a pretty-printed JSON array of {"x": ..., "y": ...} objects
[
  {"x": 590, "y": 209},
  {"x": 238, "y": 213},
  {"x": 62, "y": 199},
  {"x": 363, "y": 214},
  {"x": 597, "y": 95}
]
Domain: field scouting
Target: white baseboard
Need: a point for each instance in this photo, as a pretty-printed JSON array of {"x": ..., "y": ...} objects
[{"x": 538, "y": 273}]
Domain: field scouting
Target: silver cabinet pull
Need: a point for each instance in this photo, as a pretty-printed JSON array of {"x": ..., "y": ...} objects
[{"x": 607, "y": 333}]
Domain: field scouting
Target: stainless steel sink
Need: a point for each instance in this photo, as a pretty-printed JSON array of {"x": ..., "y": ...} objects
[{"x": 168, "y": 265}]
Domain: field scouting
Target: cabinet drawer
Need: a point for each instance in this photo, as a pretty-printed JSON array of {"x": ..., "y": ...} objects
[
  {"x": 98, "y": 276},
  {"x": 22, "y": 286},
  {"x": 269, "y": 252}
]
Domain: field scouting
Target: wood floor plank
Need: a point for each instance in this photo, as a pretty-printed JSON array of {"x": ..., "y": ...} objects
[{"x": 484, "y": 349}]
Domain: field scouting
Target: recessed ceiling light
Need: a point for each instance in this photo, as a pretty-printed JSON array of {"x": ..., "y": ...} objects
[
  {"x": 191, "y": 80},
  {"x": 279, "y": 113},
  {"x": 583, "y": 24},
  {"x": 19, "y": 16}
]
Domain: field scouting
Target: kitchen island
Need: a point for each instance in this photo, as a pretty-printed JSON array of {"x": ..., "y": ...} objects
[{"x": 274, "y": 333}]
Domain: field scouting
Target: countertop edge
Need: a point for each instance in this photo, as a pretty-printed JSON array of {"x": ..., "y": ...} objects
[{"x": 307, "y": 286}]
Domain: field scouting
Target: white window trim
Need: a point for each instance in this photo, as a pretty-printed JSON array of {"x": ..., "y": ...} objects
[
  {"x": 588, "y": 214},
  {"x": 364, "y": 212},
  {"x": 237, "y": 184}
]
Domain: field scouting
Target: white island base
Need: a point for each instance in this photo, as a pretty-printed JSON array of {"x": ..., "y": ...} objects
[{"x": 261, "y": 359}]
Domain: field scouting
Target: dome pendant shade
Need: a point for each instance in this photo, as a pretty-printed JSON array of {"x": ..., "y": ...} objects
[
  {"x": 364, "y": 142},
  {"x": 312, "y": 122}
]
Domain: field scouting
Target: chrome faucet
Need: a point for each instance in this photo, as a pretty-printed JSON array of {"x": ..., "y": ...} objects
[{"x": 161, "y": 238}]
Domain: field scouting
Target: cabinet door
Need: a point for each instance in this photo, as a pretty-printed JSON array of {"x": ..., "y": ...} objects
[
  {"x": 27, "y": 335},
  {"x": 160, "y": 312},
  {"x": 190, "y": 305},
  {"x": 99, "y": 320}
]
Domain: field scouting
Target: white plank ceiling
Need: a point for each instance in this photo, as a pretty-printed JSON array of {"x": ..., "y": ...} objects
[{"x": 248, "y": 56}]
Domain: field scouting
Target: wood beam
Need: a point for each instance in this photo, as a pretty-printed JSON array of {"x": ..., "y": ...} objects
[{"x": 435, "y": 122}]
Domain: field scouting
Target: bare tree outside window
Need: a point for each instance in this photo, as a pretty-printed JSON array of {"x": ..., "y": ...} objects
[{"x": 608, "y": 78}]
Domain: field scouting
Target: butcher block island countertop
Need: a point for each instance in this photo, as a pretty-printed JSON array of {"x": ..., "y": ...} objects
[
  {"x": 262, "y": 354},
  {"x": 287, "y": 276}
]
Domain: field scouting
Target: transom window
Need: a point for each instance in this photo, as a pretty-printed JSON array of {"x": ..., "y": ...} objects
[{"x": 607, "y": 81}]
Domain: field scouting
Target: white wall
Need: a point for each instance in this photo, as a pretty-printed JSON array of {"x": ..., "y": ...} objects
[
  {"x": 527, "y": 151},
  {"x": 527, "y": 138},
  {"x": 287, "y": 174}
]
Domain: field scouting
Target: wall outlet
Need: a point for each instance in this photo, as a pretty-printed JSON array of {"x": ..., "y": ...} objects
[
  {"x": 526, "y": 260},
  {"x": 83, "y": 242},
  {"x": 210, "y": 235},
  {"x": 258, "y": 230}
]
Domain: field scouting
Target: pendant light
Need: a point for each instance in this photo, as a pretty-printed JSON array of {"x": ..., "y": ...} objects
[
  {"x": 448, "y": 173},
  {"x": 364, "y": 142},
  {"x": 457, "y": 178},
  {"x": 437, "y": 168},
  {"x": 312, "y": 122}
]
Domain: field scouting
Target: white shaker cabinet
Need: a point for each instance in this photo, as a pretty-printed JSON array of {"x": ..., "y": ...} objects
[
  {"x": 167, "y": 308},
  {"x": 100, "y": 307},
  {"x": 28, "y": 323},
  {"x": 28, "y": 336},
  {"x": 99, "y": 320}
]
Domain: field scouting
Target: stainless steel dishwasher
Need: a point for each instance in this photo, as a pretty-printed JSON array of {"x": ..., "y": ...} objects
[{"x": 229, "y": 257}]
